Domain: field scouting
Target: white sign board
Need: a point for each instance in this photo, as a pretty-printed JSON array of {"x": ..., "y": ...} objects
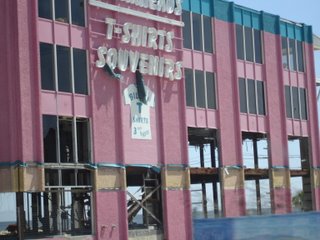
[{"x": 140, "y": 112}]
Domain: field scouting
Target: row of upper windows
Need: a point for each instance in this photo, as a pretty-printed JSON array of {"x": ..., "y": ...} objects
[
  {"x": 63, "y": 69},
  {"x": 201, "y": 92},
  {"x": 67, "y": 11},
  {"x": 198, "y": 35}
]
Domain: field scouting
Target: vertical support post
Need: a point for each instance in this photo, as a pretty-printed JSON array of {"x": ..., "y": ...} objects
[
  {"x": 20, "y": 215},
  {"x": 214, "y": 182},
  {"x": 34, "y": 207},
  {"x": 256, "y": 166},
  {"x": 306, "y": 180},
  {"x": 203, "y": 186}
]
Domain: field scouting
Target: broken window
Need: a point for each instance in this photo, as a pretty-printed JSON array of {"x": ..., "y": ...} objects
[
  {"x": 256, "y": 162},
  {"x": 64, "y": 207},
  {"x": 300, "y": 181},
  {"x": 204, "y": 169},
  {"x": 144, "y": 203},
  {"x": 73, "y": 139}
]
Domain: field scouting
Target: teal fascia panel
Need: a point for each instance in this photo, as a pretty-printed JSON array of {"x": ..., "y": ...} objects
[
  {"x": 290, "y": 31},
  {"x": 256, "y": 23},
  {"x": 238, "y": 16},
  {"x": 195, "y": 6},
  {"x": 206, "y": 7},
  {"x": 283, "y": 29},
  {"x": 223, "y": 10},
  {"x": 270, "y": 23},
  {"x": 307, "y": 30},
  {"x": 298, "y": 33},
  {"x": 247, "y": 19},
  {"x": 186, "y": 5}
]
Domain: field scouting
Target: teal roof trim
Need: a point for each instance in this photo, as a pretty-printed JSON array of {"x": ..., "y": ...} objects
[
  {"x": 270, "y": 23},
  {"x": 308, "y": 34},
  {"x": 230, "y": 12},
  {"x": 223, "y": 10}
]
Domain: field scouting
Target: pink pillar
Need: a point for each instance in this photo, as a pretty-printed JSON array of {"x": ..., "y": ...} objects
[
  {"x": 278, "y": 140},
  {"x": 20, "y": 125},
  {"x": 111, "y": 215},
  {"x": 229, "y": 111}
]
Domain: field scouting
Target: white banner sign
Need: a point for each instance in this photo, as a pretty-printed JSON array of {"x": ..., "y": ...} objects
[{"x": 140, "y": 113}]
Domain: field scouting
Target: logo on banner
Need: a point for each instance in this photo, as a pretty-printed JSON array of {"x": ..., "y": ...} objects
[{"x": 140, "y": 112}]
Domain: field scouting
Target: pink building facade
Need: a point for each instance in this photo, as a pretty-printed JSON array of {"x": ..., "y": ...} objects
[{"x": 100, "y": 100}]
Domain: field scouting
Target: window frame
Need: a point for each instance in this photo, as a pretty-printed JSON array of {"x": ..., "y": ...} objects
[
  {"x": 69, "y": 10},
  {"x": 72, "y": 73},
  {"x": 253, "y": 41},
  {"x": 75, "y": 159},
  {"x": 203, "y": 49},
  {"x": 297, "y": 67},
  {"x": 300, "y": 103},
  {"x": 256, "y": 97},
  {"x": 195, "y": 104}
]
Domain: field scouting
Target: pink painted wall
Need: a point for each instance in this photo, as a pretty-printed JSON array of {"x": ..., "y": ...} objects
[
  {"x": 177, "y": 207},
  {"x": 20, "y": 124}
]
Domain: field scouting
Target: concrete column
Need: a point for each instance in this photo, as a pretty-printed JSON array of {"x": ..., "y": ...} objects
[
  {"x": 176, "y": 203},
  {"x": 110, "y": 207}
]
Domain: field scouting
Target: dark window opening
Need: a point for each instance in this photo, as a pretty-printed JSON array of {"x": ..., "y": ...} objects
[
  {"x": 207, "y": 31},
  {"x": 300, "y": 56},
  {"x": 186, "y": 30},
  {"x": 295, "y": 102},
  {"x": 243, "y": 95},
  {"x": 47, "y": 66},
  {"x": 45, "y": 9},
  {"x": 66, "y": 139},
  {"x": 292, "y": 55},
  {"x": 61, "y": 11},
  {"x": 188, "y": 73},
  {"x": 260, "y": 95},
  {"x": 288, "y": 101},
  {"x": 285, "y": 57},
  {"x": 83, "y": 140},
  {"x": 211, "y": 91},
  {"x": 49, "y": 138},
  {"x": 64, "y": 69},
  {"x": 303, "y": 104},
  {"x": 80, "y": 71},
  {"x": 240, "y": 42},
  {"x": 257, "y": 46},
  {"x": 252, "y": 96},
  {"x": 197, "y": 31},
  {"x": 249, "y": 44},
  {"x": 200, "y": 89},
  {"x": 77, "y": 12}
]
